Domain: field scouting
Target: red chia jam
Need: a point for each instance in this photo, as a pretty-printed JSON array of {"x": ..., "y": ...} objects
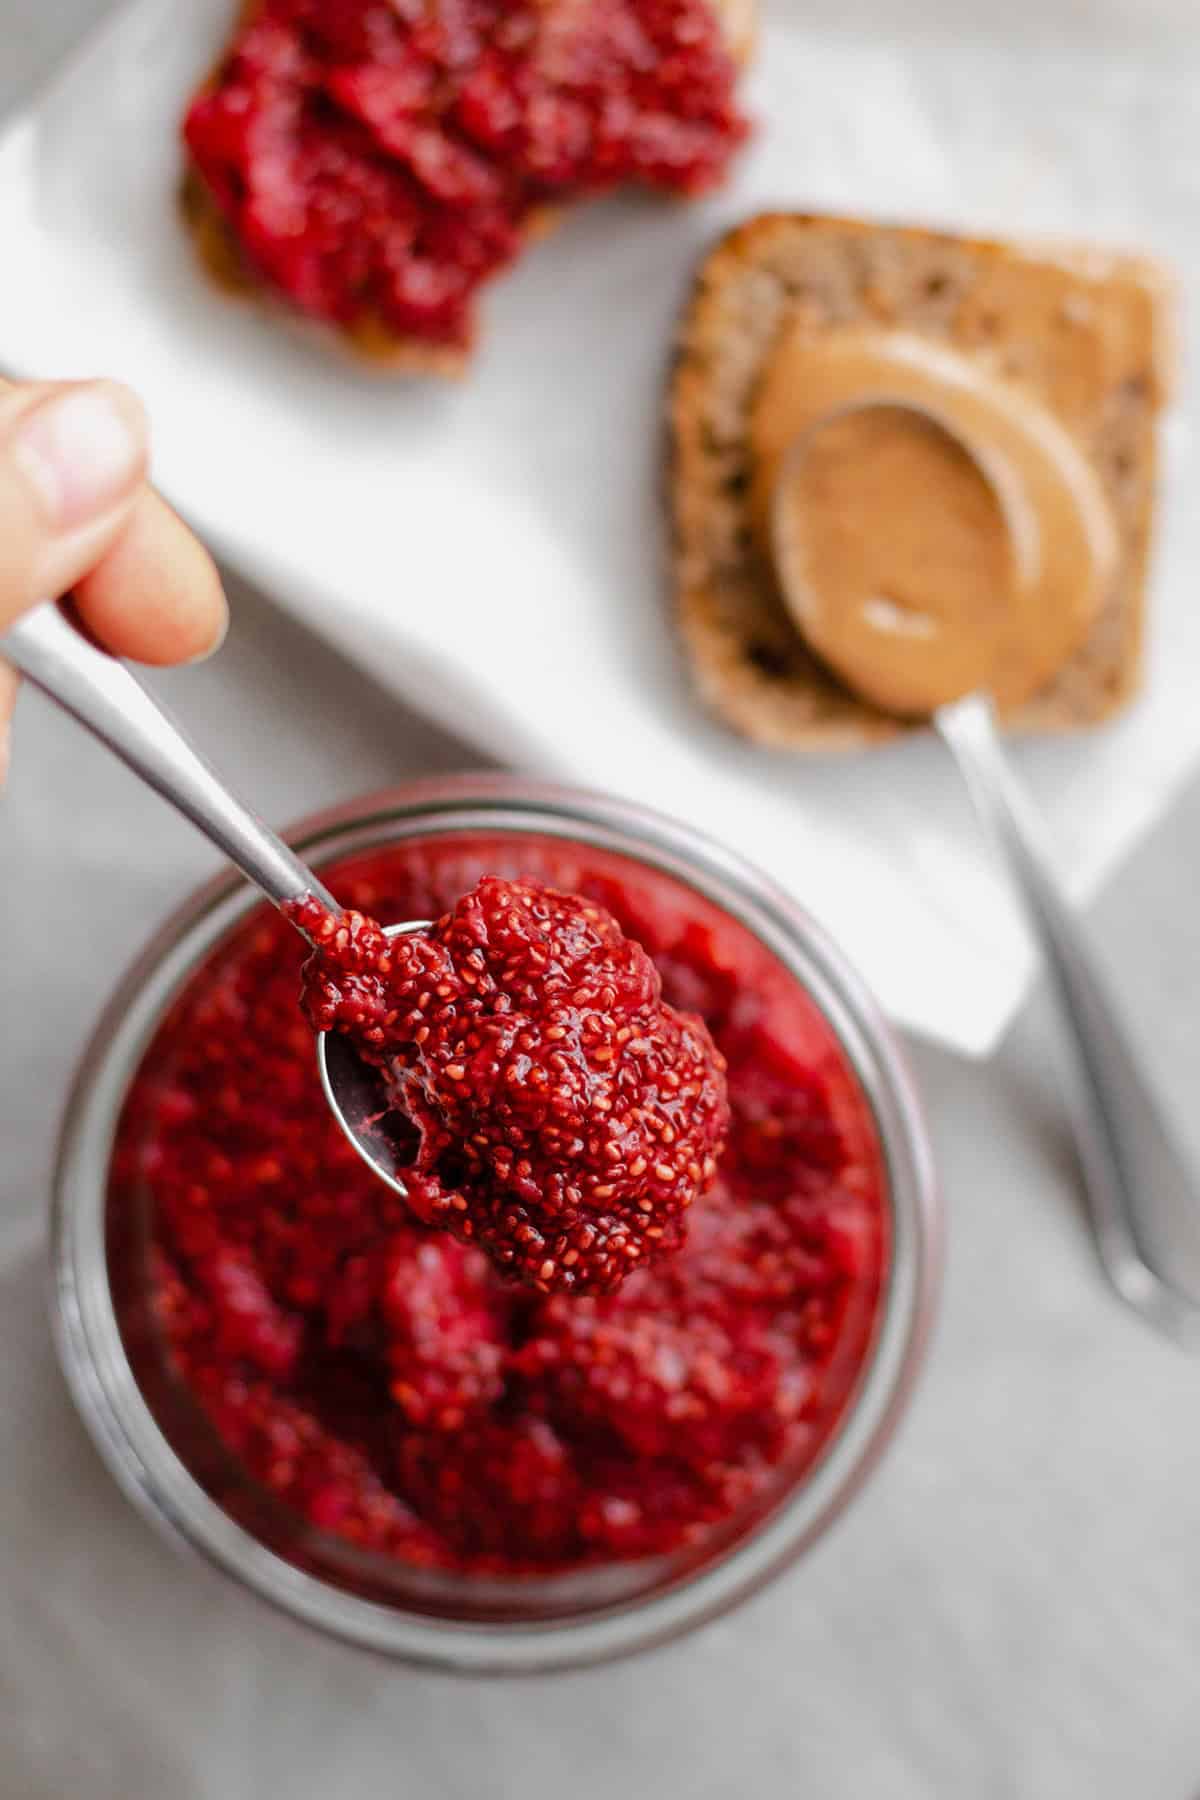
[
  {"x": 377, "y": 1377},
  {"x": 384, "y": 158},
  {"x": 566, "y": 1117}
]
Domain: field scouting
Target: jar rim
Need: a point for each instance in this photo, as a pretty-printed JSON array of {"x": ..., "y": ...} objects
[{"x": 136, "y": 1449}]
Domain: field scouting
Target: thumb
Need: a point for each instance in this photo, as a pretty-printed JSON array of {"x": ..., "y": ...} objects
[{"x": 72, "y": 463}]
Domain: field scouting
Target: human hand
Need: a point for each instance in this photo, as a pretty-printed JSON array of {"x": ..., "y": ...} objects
[{"x": 76, "y": 515}]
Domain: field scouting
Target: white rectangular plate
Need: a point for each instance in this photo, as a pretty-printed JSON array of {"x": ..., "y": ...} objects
[{"x": 494, "y": 551}]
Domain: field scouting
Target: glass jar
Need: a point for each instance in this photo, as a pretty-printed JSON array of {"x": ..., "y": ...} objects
[{"x": 170, "y": 1467}]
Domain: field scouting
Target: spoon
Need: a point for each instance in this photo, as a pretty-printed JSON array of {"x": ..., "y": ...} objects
[
  {"x": 104, "y": 695},
  {"x": 1143, "y": 1200}
]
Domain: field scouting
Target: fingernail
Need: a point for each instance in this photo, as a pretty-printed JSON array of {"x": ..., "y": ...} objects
[
  {"x": 82, "y": 450},
  {"x": 221, "y": 634}
]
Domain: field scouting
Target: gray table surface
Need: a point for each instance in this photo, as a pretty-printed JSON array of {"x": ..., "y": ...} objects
[{"x": 1012, "y": 1609}]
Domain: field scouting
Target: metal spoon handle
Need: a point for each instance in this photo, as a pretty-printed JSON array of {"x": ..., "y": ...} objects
[
  {"x": 103, "y": 694},
  {"x": 1144, "y": 1203}
]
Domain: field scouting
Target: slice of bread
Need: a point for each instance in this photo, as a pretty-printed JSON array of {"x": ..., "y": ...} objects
[
  {"x": 369, "y": 339},
  {"x": 1085, "y": 331}
]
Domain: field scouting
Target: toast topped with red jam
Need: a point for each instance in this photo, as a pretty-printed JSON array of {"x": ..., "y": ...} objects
[{"x": 372, "y": 164}]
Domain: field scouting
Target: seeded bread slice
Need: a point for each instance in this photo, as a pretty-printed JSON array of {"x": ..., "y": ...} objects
[
  {"x": 1086, "y": 331},
  {"x": 368, "y": 338}
]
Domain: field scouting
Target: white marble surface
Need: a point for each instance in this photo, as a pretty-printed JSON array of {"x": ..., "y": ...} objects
[{"x": 1011, "y": 1612}]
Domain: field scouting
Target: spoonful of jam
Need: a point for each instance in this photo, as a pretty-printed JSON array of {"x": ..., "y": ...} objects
[
  {"x": 511, "y": 1069},
  {"x": 540, "y": 1098}
]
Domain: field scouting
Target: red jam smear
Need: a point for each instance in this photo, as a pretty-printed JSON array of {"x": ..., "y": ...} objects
[
  {"x": 566, "y": 1117},
  {"x": 385, "y": 1384},
  {"x": 383, "y": 158}
]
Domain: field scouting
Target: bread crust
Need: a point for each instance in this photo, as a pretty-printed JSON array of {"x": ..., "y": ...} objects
[{"x": 1085, "y": 331}]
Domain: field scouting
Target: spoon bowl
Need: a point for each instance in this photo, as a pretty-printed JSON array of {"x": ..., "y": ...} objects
[{"x": 358, "y": 1098}]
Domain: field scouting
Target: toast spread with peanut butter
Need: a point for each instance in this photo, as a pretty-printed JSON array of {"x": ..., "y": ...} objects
[{"x": 904, "y": 463}]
